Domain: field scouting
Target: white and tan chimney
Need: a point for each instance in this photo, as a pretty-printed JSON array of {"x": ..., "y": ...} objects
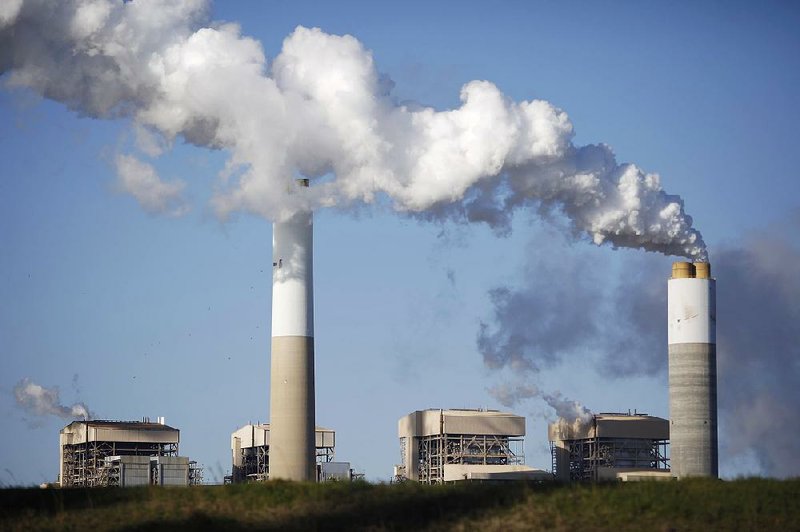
[
  {"x": 692, "y": 322},
  {"x": 292, "y": 419}
]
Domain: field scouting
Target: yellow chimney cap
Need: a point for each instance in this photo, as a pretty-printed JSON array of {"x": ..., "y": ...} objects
[
  {"x": 689, "y": 270},
  {"x": 702, "y": 270},
  {"x": 683, "y": 270}
]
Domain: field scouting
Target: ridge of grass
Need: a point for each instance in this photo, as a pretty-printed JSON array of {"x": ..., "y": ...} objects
[{"x": 697, "y": 504}]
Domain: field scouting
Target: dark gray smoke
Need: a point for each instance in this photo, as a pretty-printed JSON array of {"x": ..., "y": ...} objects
[
  {"x": 758, "y": 338},
  {"x": 569, "y": 306},
  {"x": 758, "y": 346},
  {"x": 41, "y": 401}
]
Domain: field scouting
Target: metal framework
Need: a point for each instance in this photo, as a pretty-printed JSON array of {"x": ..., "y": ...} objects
[
  {"x": 250, "y": 451},
  {"x": 195, "y": 474},
  {"x": 85, "y": 464},
  {"x": 437, "y": 450},
  {"x": 609, "y": 446},
  {"x": 587, "y": 456},
  {"x": 117, "y": 453},
  {"x": 255, "y": 463}
]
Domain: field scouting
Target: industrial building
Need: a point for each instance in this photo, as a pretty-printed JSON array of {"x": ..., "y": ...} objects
[
  {"x": 439, "y": 446},
  {"x": 692, "y": 325},
  {"x": 610, "y": 447},
  {"x": 123, "y": 453},
  {"x": 250, "y": 449}
]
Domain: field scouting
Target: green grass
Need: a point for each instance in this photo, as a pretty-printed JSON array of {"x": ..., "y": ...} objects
[{"x": 747, "y": 504}]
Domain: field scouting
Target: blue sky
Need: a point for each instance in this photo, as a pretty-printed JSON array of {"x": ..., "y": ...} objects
[{"x": 137, "y": 314}]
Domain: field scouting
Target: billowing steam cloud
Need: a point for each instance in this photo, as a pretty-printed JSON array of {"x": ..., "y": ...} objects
[
  {"x": 320, "y": 109},
  {"x": 41, "y": 401},
  {"x": 758, "y": 353}
]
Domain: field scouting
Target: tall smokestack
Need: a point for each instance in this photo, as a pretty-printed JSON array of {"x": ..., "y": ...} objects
[
  {"x": 292, "y": 445},
  {"x": 692, "y": 309}
]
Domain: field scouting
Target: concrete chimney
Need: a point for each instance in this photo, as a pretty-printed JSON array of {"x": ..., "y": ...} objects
[
  {"x": 292, "y": 445},
  {"x": 692, "y": 322}
]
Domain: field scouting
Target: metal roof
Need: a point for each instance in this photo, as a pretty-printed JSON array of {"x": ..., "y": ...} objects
[
  {"x": 460, "y": 421},
  {"x": 633, "y": 426},
  {"x": 123, "y": 425},
  {"x": 257, "y": 435}
]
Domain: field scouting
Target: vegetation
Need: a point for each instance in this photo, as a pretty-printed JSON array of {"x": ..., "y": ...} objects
[{"x": 747, "y": 504}]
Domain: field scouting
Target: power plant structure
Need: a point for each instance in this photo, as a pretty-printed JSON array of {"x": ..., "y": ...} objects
[
  {"x": 251, "y": 450},
  {"x": 610, "y": 447},
  {"x": 123, "y": 453},
  {"x": 438, "y": 446},
  {"x": 292, "y": 417},
  {"x": 692, "y": 324}
]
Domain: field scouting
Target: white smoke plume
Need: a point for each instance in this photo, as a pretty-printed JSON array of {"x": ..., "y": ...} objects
[
  {"x": 141, "y": 181},
  {"x": 567, "y": 409},
  {"x": 320, "y": 109},
  {"x": 39, "y": 400}
]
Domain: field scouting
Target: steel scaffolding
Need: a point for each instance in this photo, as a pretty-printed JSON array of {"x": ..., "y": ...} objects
[
  {"x": 255, "y": 463},
  {"x": 437, "y": 450},
  {"x": 96, "y": 452},
  {"x": 85, "y": 463},
  {"x": 609, "y": 446},
  {"x": 587, "y": 456},
  {"x": 250, "y": 451}
]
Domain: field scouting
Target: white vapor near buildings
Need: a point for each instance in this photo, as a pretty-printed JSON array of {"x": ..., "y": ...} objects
[
  {"x": 39, "y": 400},
  {"x": 321, "y": 110},
  {"x": 511, "y": 394}
]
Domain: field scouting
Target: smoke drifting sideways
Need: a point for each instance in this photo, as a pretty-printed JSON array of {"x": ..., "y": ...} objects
[
  {"x": 141, "y": 181},
  {"x": 621, "y": 329},
  {"x": 39, "y": 400},
  {"x": 511, "y": 394},
  {"x": 555, "y": 314},
  {"x": 321, "y": 109}
]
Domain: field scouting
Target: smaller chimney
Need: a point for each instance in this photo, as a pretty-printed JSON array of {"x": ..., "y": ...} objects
[{"x": 692, "y": 323}]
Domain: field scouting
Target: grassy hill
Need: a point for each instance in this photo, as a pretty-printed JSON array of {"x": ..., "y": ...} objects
[{"x": 748, "y": 504}]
